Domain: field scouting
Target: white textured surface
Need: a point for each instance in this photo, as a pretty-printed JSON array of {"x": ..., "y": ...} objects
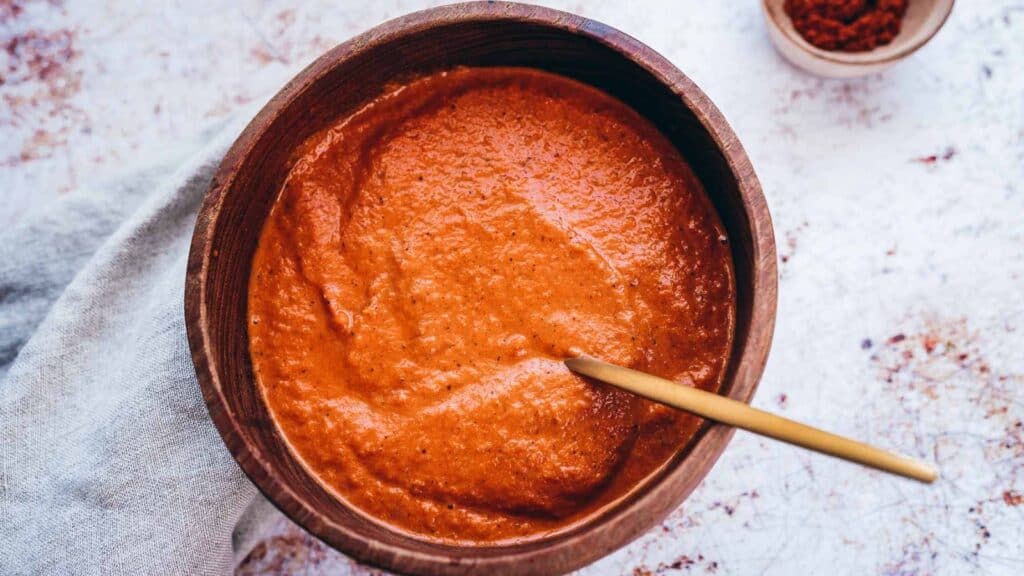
[{"x": 898, "y": 209}]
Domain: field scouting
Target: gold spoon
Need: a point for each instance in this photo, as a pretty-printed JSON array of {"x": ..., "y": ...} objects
[{"x": 740, "y": 415}]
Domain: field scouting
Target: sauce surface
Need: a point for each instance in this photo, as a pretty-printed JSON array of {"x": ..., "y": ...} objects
[{"x": 430, "y": 262}]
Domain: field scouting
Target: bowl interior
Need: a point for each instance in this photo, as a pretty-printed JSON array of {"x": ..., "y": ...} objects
[
  {"x": 923, "y": 20},
  {"x": 252, "y": 173}
]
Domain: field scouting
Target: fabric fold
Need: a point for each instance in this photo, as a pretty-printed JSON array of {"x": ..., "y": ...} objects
[{"x": 109, "y": 462}]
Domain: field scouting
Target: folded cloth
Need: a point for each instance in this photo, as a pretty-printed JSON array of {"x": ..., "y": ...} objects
[{"x": 109, "y": 462}]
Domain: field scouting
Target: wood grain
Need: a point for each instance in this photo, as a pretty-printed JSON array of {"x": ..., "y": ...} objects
[{"x": 474, "y": 34}]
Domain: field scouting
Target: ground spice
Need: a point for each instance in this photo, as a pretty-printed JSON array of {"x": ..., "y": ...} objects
[{"x": 847, "y": 25}]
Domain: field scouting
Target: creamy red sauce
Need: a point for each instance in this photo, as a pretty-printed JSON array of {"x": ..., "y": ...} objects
[{"x": 430, "y": 262}]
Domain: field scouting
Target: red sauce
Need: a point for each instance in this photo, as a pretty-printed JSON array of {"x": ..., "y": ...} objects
[{"x": 430, "y": 262}]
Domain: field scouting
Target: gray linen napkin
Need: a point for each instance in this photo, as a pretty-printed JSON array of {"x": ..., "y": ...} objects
[{"x": 109, "y": 463}]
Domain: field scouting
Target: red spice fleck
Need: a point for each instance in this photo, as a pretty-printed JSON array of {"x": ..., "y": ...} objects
[
  {"x": 286, "y": 17},
  {"x": 40, "y": 62},
  {"x": 1013, "y": 498},
  {"x": 847, "y": 25},
  {"x": 945, "y": 156},
  {"x": 9, "y": 10},
  {"x": 286, "y": 554},
  {"x": 685, "y": 562},
  {"x": 263, "y": 56},
  {"x": 998, "y": 410},
  {"x": 781, "y": 399},
  {"x": 791, "y": 242},
  {"x": 39, "y": 55},
  {"x": 680, "y": 562}
]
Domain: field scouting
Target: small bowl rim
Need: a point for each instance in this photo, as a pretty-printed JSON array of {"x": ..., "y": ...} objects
[
  {"x": 612, "y": 531},
  {"x": 852, "y": 59}
]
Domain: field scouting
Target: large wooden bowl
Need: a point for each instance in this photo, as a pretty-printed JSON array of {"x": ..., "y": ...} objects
[{"x": 476, "y": 34}]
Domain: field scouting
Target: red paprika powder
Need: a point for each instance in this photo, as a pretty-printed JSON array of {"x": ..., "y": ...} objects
[{"x": 847, "y": 25}]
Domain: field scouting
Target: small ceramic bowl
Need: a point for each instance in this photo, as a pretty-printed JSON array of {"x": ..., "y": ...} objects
[
  {"x": 251, "y": 174},
  {"x": 922, "y": 21}
]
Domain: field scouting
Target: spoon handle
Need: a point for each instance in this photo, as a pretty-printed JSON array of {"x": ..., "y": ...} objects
[{"x": 734, "y": 413}]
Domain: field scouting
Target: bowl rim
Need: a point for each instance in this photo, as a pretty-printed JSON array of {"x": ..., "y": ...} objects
[
  {"x": 576, "y": 548},
  {"x": 852, "y": 59}
]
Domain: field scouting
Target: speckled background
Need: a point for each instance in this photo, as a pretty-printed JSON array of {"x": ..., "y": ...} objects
[{"x": 898, "y": 209}]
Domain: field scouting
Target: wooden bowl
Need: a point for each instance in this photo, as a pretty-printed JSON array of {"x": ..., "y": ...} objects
[
  {"x": 475, "y": 34},
  {"x": 922, "y": 21}
]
